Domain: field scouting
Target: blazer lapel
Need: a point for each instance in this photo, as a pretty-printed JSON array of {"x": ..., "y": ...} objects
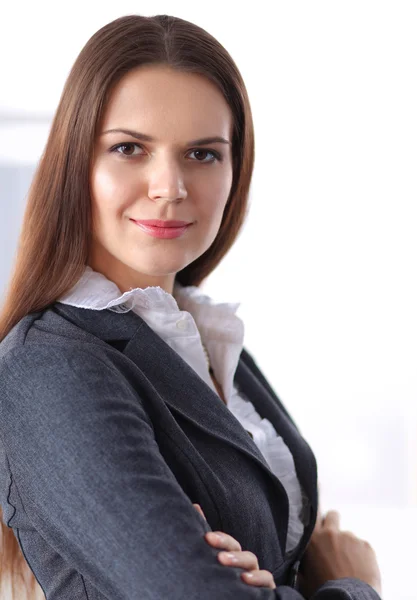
[
  {"x": 185, "y": 392},
  {"x": 182, "y": 389},
  {"x": 268, "y": 408},
  {"x": 177, "y": 383}
]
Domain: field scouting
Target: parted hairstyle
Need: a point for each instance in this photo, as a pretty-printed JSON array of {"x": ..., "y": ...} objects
[{"x": 55, "y": 237}]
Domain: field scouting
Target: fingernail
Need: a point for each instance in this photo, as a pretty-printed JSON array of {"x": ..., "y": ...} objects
[{"x": 249, "y": 575}]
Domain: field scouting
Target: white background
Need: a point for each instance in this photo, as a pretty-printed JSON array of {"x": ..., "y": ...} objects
[{"x": 325, "y": 266}]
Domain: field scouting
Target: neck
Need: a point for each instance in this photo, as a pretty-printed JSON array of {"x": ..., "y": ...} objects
[{"x": 127, "y": 278}]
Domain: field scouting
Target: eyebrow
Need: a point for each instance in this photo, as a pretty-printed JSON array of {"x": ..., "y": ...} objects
[{"x": 148, "y": 138}]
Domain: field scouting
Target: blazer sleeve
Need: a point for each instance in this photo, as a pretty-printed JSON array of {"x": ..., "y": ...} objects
[{"x": 94, "y": 484}]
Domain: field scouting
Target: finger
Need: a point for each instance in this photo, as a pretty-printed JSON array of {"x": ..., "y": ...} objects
[
  {"x": 260, "y": 578},
  {"x": 200, "y": 510},
  {"x": 243, "y": 559},
  {"x": 222, "y": 540},
  {"x": 332, "y": 520}
]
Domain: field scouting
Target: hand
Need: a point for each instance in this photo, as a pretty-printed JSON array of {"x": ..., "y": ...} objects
[
  {"x": 244, "y": 560},
  {"x": 334, "y": 554}
]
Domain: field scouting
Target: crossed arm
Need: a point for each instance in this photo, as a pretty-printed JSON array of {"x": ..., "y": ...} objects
[{"x": 97, "y": 489}]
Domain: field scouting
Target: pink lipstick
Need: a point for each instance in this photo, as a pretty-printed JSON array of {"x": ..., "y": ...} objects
[{"x": 162, "y": 229}]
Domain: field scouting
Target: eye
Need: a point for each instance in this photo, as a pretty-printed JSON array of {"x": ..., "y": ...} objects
[
  {"x": 200, "y": 153},
  {"x": 126, "y": 149}
]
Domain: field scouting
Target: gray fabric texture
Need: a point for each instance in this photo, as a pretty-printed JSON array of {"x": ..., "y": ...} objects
[{"x": 107, "y": 437}]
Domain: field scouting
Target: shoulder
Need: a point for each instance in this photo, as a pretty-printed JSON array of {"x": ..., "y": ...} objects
[
  {"x": 45, "y": 332},
  {"x": 17, "y": 335},
  {"x": 53, "y": 384},
  {"x": 54, "y": 372},
  {"x": 44, "y": 349}
]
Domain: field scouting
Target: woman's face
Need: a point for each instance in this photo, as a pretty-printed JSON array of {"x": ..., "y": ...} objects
[{"x": 151, "y": 161}]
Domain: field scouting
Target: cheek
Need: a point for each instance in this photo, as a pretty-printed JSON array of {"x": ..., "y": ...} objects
[
  {"x": 111, "y": 189},
  {"x": 215, "y": 199}
]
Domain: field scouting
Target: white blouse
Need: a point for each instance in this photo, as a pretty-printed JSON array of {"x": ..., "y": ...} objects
[{"x": 183, "y": 320}]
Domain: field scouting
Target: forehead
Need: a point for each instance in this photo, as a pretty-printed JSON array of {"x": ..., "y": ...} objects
[{"x": 168, "y": 104}]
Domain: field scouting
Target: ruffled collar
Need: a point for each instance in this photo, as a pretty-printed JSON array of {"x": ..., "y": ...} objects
[
  {"x": 95, "y": 291},
  {"x": 183, "y": 319}
]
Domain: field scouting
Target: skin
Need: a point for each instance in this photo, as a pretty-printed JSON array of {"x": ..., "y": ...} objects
[
  {"x": 334, "y": 554},
  {"x": 167, "y": 178},
  {"x": 236, "y": 557},
  {"x": 331, "y": 554}
]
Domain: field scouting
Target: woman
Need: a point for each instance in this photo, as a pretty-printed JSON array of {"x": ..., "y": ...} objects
[{"x": 126, "y": 395}]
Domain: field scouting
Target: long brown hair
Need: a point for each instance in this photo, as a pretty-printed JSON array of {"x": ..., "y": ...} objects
[{"x": 55, "y": 235}]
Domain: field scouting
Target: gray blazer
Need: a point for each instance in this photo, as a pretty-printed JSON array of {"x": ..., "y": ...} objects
[{"x": 107, "y": 437}]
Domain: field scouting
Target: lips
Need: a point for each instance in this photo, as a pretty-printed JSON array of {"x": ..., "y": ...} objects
[
  {"x": 163, "y": 229},
  {"x": 159, "y": 223}
]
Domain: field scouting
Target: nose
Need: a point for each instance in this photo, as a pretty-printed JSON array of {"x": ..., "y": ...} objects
[{"x": 166, "y": 181}]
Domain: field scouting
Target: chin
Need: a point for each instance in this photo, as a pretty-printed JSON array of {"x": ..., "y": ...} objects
[{"x": 158, "y": 269}]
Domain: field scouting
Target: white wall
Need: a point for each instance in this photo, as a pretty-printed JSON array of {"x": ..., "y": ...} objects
[{"x": 325, "y": 267}]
